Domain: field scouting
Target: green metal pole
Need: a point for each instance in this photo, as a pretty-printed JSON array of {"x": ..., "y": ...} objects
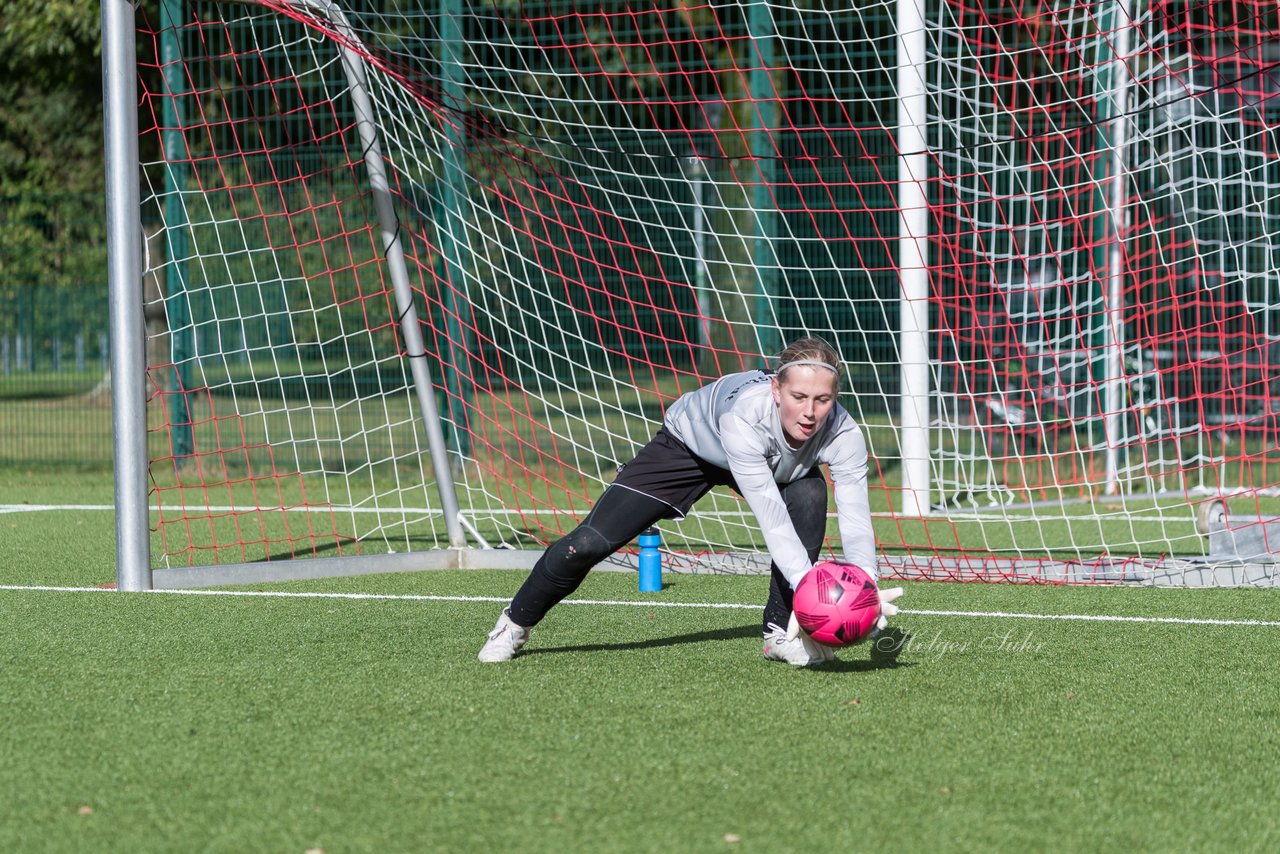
[
  {"x": 454, "y": 243},
  {"x": 764, "y": 151},
  {"x": 177, "y": 304}
]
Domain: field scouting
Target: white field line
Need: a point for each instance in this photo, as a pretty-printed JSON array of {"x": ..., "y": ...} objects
[
  {"x": 336, "y": 508},
  {"x": 32, "y": 508},
  {"x": 410, "y": 597}
]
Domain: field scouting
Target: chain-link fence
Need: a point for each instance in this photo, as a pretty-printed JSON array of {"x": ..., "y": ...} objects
[{"x": 54, "y": 346}]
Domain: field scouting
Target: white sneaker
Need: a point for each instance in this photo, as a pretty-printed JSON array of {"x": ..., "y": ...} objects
[
  {"x": 504, "y": 641},
  {"x": 802, "y": 652}
]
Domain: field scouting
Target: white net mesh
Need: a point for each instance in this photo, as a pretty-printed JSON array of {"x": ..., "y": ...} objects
[{"x": 602, "y": 207}]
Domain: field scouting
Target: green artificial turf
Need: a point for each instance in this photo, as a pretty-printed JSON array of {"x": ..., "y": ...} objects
[
  {"x": 163, "y": 722},
  {"x": 179, "y": 722}
]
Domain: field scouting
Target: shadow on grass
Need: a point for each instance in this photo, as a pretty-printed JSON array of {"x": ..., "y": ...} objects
[
  {"x": 752, "y": 630},
  {"x": 311, "y": 550},
  {"x": 885, "y": 649}
]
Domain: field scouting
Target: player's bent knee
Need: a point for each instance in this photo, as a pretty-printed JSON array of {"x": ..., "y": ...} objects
[
  {"x": 807, "y": 506},
  {"x": 807, "y": 495},
  {"x": 577, "y": 552}
]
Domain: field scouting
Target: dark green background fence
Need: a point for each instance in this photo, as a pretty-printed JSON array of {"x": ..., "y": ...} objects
[{"x": 54, "y": 343}]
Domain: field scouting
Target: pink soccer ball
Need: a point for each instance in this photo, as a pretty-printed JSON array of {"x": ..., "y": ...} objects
[{"x": 837, "y": 603}]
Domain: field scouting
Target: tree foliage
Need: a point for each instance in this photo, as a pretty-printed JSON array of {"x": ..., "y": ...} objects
[{"x": 50, "y": 97}]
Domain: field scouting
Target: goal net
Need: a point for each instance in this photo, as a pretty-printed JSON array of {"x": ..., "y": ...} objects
[{"x": 403, "y": 256}]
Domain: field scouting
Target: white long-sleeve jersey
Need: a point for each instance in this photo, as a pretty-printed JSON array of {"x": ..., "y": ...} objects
[{"x": 733, "y": 423}]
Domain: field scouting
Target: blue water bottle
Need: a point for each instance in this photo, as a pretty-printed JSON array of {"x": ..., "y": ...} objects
[{"x": 650, "y": 561}]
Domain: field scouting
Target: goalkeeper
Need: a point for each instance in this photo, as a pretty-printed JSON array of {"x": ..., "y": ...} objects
[{"x": 766, "y": 436}]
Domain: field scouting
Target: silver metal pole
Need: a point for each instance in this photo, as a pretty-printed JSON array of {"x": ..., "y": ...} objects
[
  {"x": 124, "y": 279},
  {"x": 913, "y": 259},
  {"x": 389, "y": 226},
  {"x": 1113, "y": 328}
]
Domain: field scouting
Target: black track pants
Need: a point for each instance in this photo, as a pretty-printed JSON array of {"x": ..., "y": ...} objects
[{"x": 622, "y": 514}]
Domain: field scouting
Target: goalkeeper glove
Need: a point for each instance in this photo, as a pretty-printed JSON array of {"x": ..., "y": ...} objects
[
  {"x": 887, "y": 608},
  {"x": 793, "y": 627}
]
